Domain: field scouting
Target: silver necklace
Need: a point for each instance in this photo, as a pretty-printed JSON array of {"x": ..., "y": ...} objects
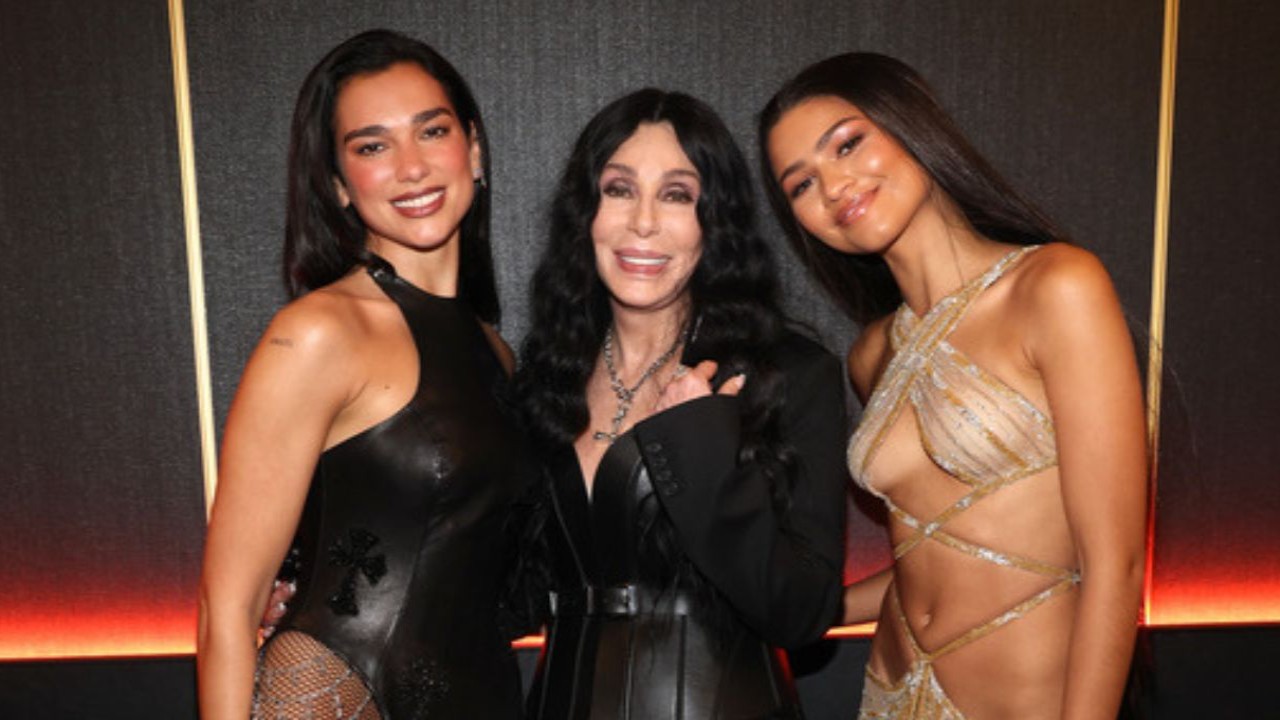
[{"x": 626, "y": 394}]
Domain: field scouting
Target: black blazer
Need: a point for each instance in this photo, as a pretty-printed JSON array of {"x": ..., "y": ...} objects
[{"x": 622, "y": 643}]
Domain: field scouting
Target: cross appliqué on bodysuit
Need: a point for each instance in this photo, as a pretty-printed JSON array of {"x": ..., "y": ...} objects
[{"x": 356, "y": 558}]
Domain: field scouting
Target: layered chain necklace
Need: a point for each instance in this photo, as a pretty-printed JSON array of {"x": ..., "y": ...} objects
[{"x": 626, "y": 395}]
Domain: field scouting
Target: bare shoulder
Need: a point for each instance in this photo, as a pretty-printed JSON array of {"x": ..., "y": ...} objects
[
  {"x": 326, "y": 325},
  {"x": 869, "y": 355},
  {"x": 500, "y": 348},
  {"x": 307, "y": 366},
  {"x": 1064, "y": 298},
  {"x": 1058, "y": 277},
  {"x": 318, "y": 322}
]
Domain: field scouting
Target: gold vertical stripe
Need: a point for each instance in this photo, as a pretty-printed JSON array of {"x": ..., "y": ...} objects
[
  {"x": 195, "y": 264},
  {"x": 1159, "y": 263}
]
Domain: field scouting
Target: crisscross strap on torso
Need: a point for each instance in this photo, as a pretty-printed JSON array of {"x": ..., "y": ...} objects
[
  {"x": 918, "y": 694},
  {"x": 972, "y": 425}
]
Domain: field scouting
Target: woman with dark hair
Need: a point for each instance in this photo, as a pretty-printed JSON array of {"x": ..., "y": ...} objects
[
  {"x": 694, "y": 487},
  {"x": 1003, "y": 420},
  {"x": 366, "y": 446}
]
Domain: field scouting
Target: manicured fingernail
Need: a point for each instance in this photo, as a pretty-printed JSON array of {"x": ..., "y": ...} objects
[{"x": 293, "y": 586}]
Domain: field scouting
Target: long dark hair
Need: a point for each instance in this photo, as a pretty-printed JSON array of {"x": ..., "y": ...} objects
[
  {"x": 898, "y": 100},
  {"x": 324, "y": 240},
  {"x": 733, "y": 291}
]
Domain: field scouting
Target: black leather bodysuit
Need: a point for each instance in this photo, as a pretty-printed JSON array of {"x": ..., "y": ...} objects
[
  {"x": 631, "y": 638},
  {"x": 399, "y": 554}
]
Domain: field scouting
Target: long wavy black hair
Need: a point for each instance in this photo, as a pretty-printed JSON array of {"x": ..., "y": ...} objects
[
  {"x": 733, "y": 293},
  {"x": 324, "y": 240},
  {"x": 899, "y": 101}
]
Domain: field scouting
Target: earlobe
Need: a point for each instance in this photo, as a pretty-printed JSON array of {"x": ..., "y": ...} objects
[
  {"x": 476, "y": 157},
  {"x": 340, "y": 189}
]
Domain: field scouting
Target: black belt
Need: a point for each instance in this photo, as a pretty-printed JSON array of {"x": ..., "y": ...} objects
[{"x": 620, "y": 601}]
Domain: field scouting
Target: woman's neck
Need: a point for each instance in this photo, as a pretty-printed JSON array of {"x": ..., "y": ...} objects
[
  {"x": 641, "y": 337},
  {"x": 434, "y": 270},
  {"x": 937, "y": 254}
]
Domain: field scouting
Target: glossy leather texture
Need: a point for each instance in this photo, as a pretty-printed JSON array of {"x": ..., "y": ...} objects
[
  {"x": 400, "y": 554},
  {"x": 633, "y": 638}
]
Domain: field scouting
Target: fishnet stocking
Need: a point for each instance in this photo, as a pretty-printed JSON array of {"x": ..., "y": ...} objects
[{"x": 298, "y": 678}]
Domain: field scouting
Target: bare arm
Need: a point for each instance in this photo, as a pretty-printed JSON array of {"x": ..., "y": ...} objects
[
  {"x": 282, "y": 592},
  {"x": 867, "y": 359},
  {"x": 862, "y": 599},
  {"x": 1081, "y": 345},
  {"x": 500, "y": 348},
  {"x": 869, "y": 356},
  {"x": 292, "y": 389}
]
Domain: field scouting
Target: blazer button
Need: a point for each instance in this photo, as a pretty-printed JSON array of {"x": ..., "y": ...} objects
[
  {"x": 653, "y": 447},
  {"x": 666, "y": 484}
]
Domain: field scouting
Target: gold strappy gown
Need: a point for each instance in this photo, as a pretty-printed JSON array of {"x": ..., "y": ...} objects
[{"x": 980, "y": 432}]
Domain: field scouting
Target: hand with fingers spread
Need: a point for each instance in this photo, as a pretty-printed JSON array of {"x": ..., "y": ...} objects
[{"x": 691, "y": 383}]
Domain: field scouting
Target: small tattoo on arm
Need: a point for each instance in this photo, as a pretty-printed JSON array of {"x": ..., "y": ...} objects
[{"x": 282, "y": 342}]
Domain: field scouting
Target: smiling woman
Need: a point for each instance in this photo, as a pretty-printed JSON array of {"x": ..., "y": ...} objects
[
  {"x": 646, "y": 234},
  {"x": 1003, "y": 421},
  {"x": 367, "y": 447},
  {"x": 692, "y": 510},
  {"x": 852, "y": 217},
  {"x": 408, "y": 172}
]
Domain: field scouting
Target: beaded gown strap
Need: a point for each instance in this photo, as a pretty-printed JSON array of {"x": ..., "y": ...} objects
[
  {"x": 915, "y": 342},
  {"x": 979, "y": 631}
]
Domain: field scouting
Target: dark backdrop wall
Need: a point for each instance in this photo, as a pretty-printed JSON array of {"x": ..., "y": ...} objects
[
  {"x": 540, "y": 70},
  {"x": 1217, "y": 549},
  {"x": 101, "y": 527},
  {"x": 102, "y": 509}
]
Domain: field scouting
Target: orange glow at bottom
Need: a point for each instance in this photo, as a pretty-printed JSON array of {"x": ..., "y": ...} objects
[
  {"x": 846, "y": 632},
  {"x": 33, "y": 633},
  {"x": 36, "y": 635},
  {"x": 527, "y": 642},
  {"x": 1216, "y": 601}
]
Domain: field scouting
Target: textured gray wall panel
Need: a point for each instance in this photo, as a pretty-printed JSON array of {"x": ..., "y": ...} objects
[
  {"x": 98, "y": 427},
  {"x": 1063, "y": 98},
  {"x": 102, "y": 516},
  {"x": 1216, "y": 532}
]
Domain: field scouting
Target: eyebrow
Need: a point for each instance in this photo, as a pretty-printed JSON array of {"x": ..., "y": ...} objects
[
  {"x": 377, "y": 130},
  {"x": 823, "y": 139},
  {"x": 630, "y": 171}
]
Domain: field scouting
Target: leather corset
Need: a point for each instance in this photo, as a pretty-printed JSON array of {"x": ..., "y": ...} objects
[{"x": 620, "y": 647}]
